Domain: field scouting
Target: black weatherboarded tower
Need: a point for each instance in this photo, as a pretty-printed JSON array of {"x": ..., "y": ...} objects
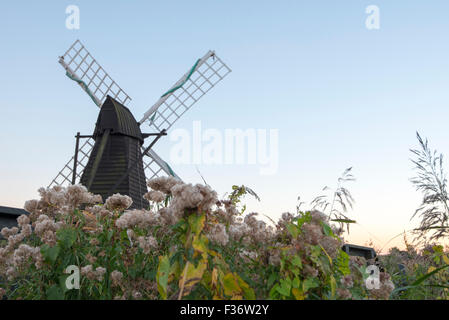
[{"x": 115, "y": 164}]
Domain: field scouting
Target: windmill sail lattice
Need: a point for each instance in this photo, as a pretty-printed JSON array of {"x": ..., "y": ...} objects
[
  {"x": 203, "y": 76},
  {"x": 65, "y": 175},
  {"x": 82, "y": 68}
]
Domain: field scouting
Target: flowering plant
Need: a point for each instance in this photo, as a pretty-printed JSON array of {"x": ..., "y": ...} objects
[{"x": 187, "y": 245}]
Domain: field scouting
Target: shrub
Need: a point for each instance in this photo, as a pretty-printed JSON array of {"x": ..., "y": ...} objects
[{"x": 187, "y": 245}]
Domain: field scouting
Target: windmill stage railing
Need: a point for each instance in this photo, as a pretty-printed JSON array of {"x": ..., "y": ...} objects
[{"x": 65, "y": 176}]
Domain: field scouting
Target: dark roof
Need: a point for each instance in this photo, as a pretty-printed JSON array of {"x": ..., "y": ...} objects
[
  {"x": 355, "y": 250},
  {"x": 8, "y": 217},
  {"x": 118, "y": 118},
  {"x": 12, "y": 211}
]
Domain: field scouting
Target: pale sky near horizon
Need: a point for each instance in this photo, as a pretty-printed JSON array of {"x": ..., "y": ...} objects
[{"x": 339, "y": 94}]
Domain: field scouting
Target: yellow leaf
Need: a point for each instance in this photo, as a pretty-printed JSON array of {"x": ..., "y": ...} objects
[
  {"x": 196, "y": 222},
  {"x": 298, "y": 294},
  {"x": 328, "y": 256},
  {"x": 200, "y": 244},
  {"x": 190, "y": 277},
  {"x": 230, "y": 285},
  {"x": 246, "y": 289},
  {"x": 431, "y": 269},
  {"x": 214, "y": 278},
  {"x": 445, "y": 259}
]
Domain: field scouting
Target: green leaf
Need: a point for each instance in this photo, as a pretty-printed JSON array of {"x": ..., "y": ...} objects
[
  {"x": 271, "y": 279},
  {"x": 50, "y": 254},
  {"x": 163, "y": 271},
  {"x": 426, "y": 276},
  {"x": 295, "y": 282},
  {"x": 327, "y": 230},
  {"x": 67, "y": 237},
  {"x": 285, "y": 287},
  {"x": 110, "y": 234},
  {"x": 342, "y": 263},
  {"x": 344, "y": 220},
  {"x": 54, "y": 293},
  {"x": 296, "y": 261},
  {"x": 293, "y": 229},
  {"x": 274, "y": 294},
  {"x": 62, "y": 280},
  {"x": 310, "y": 283},
  {"x": 333, "y": 283}
]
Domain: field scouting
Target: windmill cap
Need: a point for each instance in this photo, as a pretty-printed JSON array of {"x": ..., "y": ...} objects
[{"x": 117, "y": 118}]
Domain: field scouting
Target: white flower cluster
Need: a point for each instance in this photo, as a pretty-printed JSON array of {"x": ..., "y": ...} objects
[
  {"x": 11, "y": 258},
  {"x": 45, "y": 228},
  {"x": 100, "y": 211},
  {"x": 137, "y": 218},
  {"x": 118, "y": 202},
  {"x": 24, "y": 253},
  {"x": 183, "y": 196},
  {"x": 154, "y": 196},
  {"x": 187, "y": 196},
  {"x": 163, "y": 184},
  {"x": 89, "y": 272},
  {"x": 116, "y": 277},
  {"x": 60, "y": 200},
  {"x": 147, "y": 243},
  {"x": 312, "y": 234},
  {"x": 218, "y": 234}
]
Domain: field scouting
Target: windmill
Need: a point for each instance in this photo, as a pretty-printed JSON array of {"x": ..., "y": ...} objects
[{"x": 117, "y": 158}]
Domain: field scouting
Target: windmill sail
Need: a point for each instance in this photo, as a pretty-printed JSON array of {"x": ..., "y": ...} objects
[
  {"x": 154, "y": 166},
  {"x": 203, "y": 76},
  {"x": 82, "y": 68},
  {"x": 65, "y": 175}
]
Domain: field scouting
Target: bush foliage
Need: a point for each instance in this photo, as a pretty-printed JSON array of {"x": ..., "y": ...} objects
[{"x": 187, "y": 245}]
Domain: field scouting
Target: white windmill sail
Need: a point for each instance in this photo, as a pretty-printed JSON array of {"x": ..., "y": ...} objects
[
  {"x": 65, "y": 176},
  {"x": 82, "y": 68},
  {"x": 203, "y": 76}
]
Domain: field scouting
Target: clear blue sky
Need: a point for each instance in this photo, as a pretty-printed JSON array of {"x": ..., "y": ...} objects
[{"x": 340, "y": 95}]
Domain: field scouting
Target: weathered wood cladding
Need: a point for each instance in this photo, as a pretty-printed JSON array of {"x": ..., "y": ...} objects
[{"x": 122, "y": 149}]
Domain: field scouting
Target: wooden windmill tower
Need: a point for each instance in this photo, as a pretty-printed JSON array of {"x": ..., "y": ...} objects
[{"x": 118, "y": 157}]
